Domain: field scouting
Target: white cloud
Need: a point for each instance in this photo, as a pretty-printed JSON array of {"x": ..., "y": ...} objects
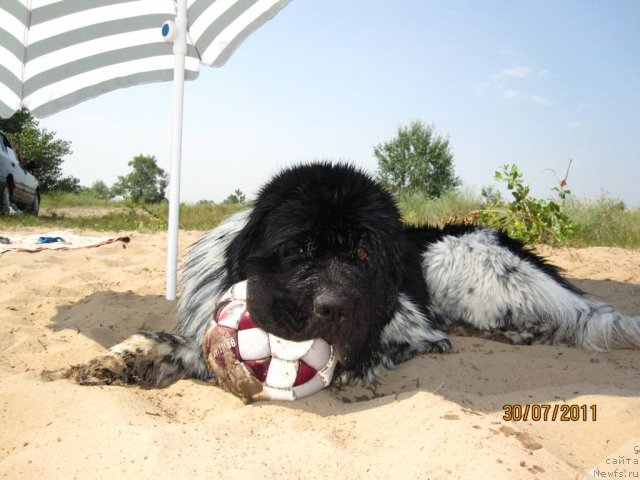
[
  {"x": 576, "y": 124},
  {"x": 503, "y": 81},
  {"x": 509, "y": 52},
  {"x": 541, "y": 100},
  {"x": 509, "y": 94},
  {"x": 521, "y": 71},
  {"x": 482, "y": 87}
]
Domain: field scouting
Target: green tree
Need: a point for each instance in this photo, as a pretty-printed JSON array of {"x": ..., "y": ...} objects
[
  {"x": 17, "y": 122},
  {"x": 100, "y": 190},
  {"x": 68, "y": 184},
  {"x": 416, "y": 160},
  {"x": 39, "y": 148},
  {"x": 145, "y": 184},
  {"x": 235, "y": 198}
]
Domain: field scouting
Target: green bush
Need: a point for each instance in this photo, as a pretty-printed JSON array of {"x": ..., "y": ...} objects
[{"x": 529, "y": 219}]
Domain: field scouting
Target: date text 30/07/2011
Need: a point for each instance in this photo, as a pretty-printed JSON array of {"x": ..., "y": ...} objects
[{"x": 544, "y": 412}]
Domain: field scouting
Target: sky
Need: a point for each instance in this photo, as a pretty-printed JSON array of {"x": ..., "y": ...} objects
[{"x": 529, "y": 82}]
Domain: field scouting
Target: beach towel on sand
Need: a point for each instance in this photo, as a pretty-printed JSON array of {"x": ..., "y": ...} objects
[{"x": 64, "y": 240}]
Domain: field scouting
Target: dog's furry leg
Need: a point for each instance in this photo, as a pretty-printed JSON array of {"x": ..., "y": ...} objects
[
  {"x": 147, "y": 359},
  {"x": 491, "y": 283},
  {"x": 410, "y": 332}
]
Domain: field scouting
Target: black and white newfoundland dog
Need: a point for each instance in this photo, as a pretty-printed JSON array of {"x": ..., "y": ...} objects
[{"x": 326, "y": 255}]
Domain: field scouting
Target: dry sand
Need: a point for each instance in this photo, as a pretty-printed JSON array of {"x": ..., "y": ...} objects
[{"x": 437, "y": 416}]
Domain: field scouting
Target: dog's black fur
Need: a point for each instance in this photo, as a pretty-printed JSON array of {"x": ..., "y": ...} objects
[{"x": 326, "y": 255}]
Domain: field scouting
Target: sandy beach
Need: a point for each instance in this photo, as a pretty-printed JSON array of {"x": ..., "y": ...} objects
[{"x": 435, "y": 417}]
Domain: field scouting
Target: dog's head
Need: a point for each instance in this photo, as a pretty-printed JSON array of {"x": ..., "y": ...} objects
[{"x": 323, "y": 255}]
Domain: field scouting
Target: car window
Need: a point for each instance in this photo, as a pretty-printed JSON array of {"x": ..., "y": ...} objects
[
  {"x": 12, "y": 155},
  {"x": 3, "y": 143},
  {"x": 8, "y": 149}
]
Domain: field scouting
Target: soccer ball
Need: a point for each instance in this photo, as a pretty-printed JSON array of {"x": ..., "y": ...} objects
[{"x": 257, "y": 365}]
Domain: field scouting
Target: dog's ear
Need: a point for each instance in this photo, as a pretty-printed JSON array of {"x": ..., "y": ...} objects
[{"x": 243, "y": 247}]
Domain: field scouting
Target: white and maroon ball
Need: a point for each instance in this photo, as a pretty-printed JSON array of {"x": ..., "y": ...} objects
[{"x": 282, "y": 369}]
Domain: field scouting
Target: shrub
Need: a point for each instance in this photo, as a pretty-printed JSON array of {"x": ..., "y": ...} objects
[{"x": 529, "y": 219}]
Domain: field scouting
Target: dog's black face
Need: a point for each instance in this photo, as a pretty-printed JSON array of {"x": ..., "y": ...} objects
[{"x": 323, "y": 258}]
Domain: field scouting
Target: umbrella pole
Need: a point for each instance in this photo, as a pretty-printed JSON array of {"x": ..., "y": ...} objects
[{"x": 179, "y": 53}]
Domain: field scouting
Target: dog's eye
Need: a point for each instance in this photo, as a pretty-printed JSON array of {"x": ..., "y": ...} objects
[
  {"x": 306, "y": 248},
  {"x": 362, "y": 254}
]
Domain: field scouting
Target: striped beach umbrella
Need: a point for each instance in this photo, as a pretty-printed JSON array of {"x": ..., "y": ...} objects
[{"x": 57, "y": 53}]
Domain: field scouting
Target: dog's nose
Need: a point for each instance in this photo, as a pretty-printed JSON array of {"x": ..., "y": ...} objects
[{"x": 331, "y": 307}]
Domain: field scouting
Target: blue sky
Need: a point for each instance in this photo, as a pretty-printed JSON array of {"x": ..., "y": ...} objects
[{"x": 528, "y": 82}]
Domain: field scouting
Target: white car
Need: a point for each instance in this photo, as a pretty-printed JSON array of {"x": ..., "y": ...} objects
[{"x": 17, "y": 185}]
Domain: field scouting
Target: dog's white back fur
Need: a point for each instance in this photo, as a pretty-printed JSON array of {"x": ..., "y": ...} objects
[{"x": 476, "y": 280}]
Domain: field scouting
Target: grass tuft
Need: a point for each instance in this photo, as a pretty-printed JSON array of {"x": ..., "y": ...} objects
[
  {"x": 123, "y": 217},
  {"x": 457, "y": 204},
  {"x": 605, "y": 222},
  {"x": 70, "y": 200}
]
